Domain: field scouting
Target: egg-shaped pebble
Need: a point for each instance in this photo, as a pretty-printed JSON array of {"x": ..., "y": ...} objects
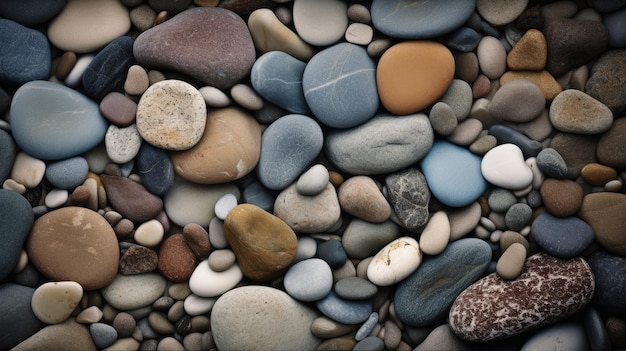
[
  {"x": 313, "y": 181},
  {"x": 206, "y": 282},
  {"x": 511, "y": 263},
  {"x": 395, "y": 262},
  {"x": 309, "y": 280},
  {"x": 436, "y": 234},
  {"x": 504, "y": 166},
  {"x": 54, "y": 302},
  {"x": 149, "y": 233}
]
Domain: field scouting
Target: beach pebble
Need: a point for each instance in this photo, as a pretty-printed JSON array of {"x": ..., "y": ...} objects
[
  {"x": 313, "y": 181},
  {"x": 466, "y": 132},
  {"x": 31, "y": 13},
  {"x": 409, "y": 195},
  {"x": 561, "y": 197},
  {"x": 573, "y": 111},
  {"x": 576, "y": 149},
  {"x": 394, "y": 262},
  {"x": 362, "y": 239},
  {"x": 221, "y": 260},
  {"x": 68, "y": 335},
  {"x": 19, "y": 321},
  {"x": 442, "y": 118},
  {"x": 307, "y": 247},
  {"x": 176, "y": 259},
  {"x": 122, "y": 144},
  {"x": 73, "y": 133},
  {"x": 464, "y": 39},
  {"x": 413, "y": 75},
  {"x": 220, "y": 54},
  {"x": 89, "y": 315},
  {"x": 608, "y": 270},
  {"x": 214, "y": 97},
  {"x": 131, "y": 199},
  {"x": 548, "y": 85},
  {"x": 537, "y": 291},
  {"x": 246, "y": 97},
  {"x": 511, "y": 263},
  {"x": 562, "y": 237},
  {"x": 500, "y": 12},
  {"x": 269, "y": 34},
  {"x": 257, "y": 194},
  {"x": 381, "y": 145},
  {"x": 149, "y": 233},
  {"x": 344, "y": 311},
  {"x": 107, "y": 71},
  {"x": 118, "y": 109},
  {"x": 205, "y": 282},
  {"x": 518, "y": 101},
  {"x": 499, "y": 200},
  {"x": 309, "y": 280},
  {"x": 529, "y": 53},
  {"x": 9, "y": 152},
  {"x": 332, "y": 253},
  {"x": 504, "y": 166},
  {"x": 464, "y": 220},
  {"x": 320, "y": 23},
  {"x": 459, "y": 97},
  {"x": 27, "y": 170},
  {"x": 609, "y": 151},
  {"x": 155, "y": 169},
  {"x": 53, "y": 302},
  {"x": 518, "y": 216},
  {"x": 56, "y": 198},
  {"x": 491, "y": 57},
  {"x": 604, "y": 212},
  {"x": 551, "y": 163},
  {"x": 103, "y": 334},
  {"x": 194, "y": 305},
  {"x": 138, "y": 259},
  {"x": 129, "y": 292},
  {"x": 568, "y": 335},
  {"x": 597, "y": 174},
  {"x": 361, "y": 197},
  {"x": 68, "y": 173},
  {"x": 308, "y": 214},
  {"x": 236, "y": 316},
  {"x": 355, "y": 288},
  {"x": 27, "y": 54},
  {"x": 359, "y": 34},
  {"x": 604, "y": 80},
  {"x": 436, "y": 234}
]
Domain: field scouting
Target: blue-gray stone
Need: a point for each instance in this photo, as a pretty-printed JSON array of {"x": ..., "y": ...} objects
[
  {"x": 464, "y": 39},
  {"x": 425, "y": 297},
  {"x": 16, "y": 220},
  {"x": 25, "y": 54},
  {"x": 146, "y": 330},
  {"x": 339, "y": 85},
  {"x": 420, "y": 19},
  {"x": 607, "y": 5},
  {"x": 596, "y": 330},
  {"x": 409, "y": 195},
  {"x": 355, "y": 288},
  {"x": 518, "y": 216},
  {"x": 257, "y": 194},
  {"x": 370, "y": 343},
  {"x": 534, "y": 200},
  {"x": 505, "y": 134},
  {"x": 5, "y": 101},
  {"x": 551, "y": 163},
  {"x": 68, "y": 173},
  {"x": 8, "y": 152},
  {"x": 30, "y": 12},
  {"x": 277, "y": 76},
  {"x": 309, "y": 280},
  {"x": 332, "y": 252},
  {"x": 610, "y": 274},
  {"x": 18, "y": 321},
  {"x": 288, "y": 146},
  {"x": 344, "y": 311},
  {"x": 107, "y": 71},
  {"x": 29, "y": 276},
  {"x": 562, "y": 237},
  {"x": 453, "y": 174},
  {"x": 615, "y": 23},
  {"x": 103, "y": 335},
  {"x": 500, "y": 200},
  {"x": 367, "y": 327},
  {"x": 386, "y": 143},
  {"x": 155, "y": 169},
  {"x": 50, "y": 121}
]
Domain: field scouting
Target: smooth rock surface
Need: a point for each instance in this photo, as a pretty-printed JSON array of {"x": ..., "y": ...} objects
[
  {"x": 107, "y": 71},
  {"x": 23, "y": 63},
  {"x": 361, "y": 197},
  {"x": 320, "y": 23},
  {"x": 604, "y": 212},
  {"x": 19, "y": 321},
  {"x": 53, "y": 302},
  {"x": 604, "y": 81},
  {"x": 308, "y": 214},
  {"x": 344, "y": 311},
  {"x": 309, "y": 280},
  {"x": 129, "y": 292},
  {"x": 16, "y": 220},
  {"x": 504, "y": 166},
  {"x": 394, "y": 262},
  {"x": 69, "y": 335},
  {"x": 562, "y": 237},
  {"x": 609, "y": 150},
  {"x": 131, "y": 199},
  {"x": 205, "y": 282},
  {"x": 608, "y": 270},
  {"x": 573, "y": 111}
]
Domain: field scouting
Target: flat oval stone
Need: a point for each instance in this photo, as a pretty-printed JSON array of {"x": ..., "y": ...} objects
[
  {"x": 26, "y": 56},
  {"x": 605, "y": 212},
  {"x": 220, "y": 53},
  {"x": 308, "y": 214},
  {"x": 453, "y": 174},
  {"x": 53, "y": 302},
  {"x": 360, "y": 197},
  {"x": 597, "y": 174},
  {"x": 288, "y": 146},
  {"x": 309, "y": 280},
  {"x": 504, "y": 166},
  {"x": 542, "y": 79},
  {"x": 500, "y": 12},
  {"x": 118, "y": 109},
  {"x": 442, "y": 118},
  {"x": 548, "y": 290},
  {"x": 394, "y": 262},
  {"x": 511, "y": 263},
  {"x": 608, "y": 270},
  {"x": 107, "y": 71},
  {"x": 75, "y": 123},
  {"x": 27, "y": 170},
  {"x": 236, "y": 316},
  {"x": 16, "y": 220},
  {"x": 205, "y": 282},
  {"x": 424, "y": 298},
  {"x": 573, "y": 111},
  {"x": 351, "y": 86},
  {"x": 344, "y": 311},
  {"x": 562, "y": 237},
  {"x": 85, "y": 247},
  {"x": 129, "y": 292},
  {"x": 68, "y": 173},
  {"x": 85, "y": 26},
  {"x": 436, "y": 234},
  {"x": 420, "y": 20},
  {"x": 355, "y": 288},
  {"x": 176, "y": 259},
  {"x": 491, "y": 57},
  {"x": 412, "y": 75},
  {"x": 103, "y": 334},
  {"x": 561, "y": 197},
  {"x": 362, "y": 239},
  {"x": 155, "y": 169},
  {"x": 131, "y": 199},
  {"x": 320, "y": 23},
  {"x": 381, "y": 145},
  {"x": 609, "y": 150},
  {"x": 518, "y": 101}
]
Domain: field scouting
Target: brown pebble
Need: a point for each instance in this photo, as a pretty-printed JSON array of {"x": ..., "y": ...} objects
[
  {"x": 343, "y": 343},
  {"x": 529, "y": 53},
  {"x": 118, "y": 109},
  {"x": 597, "y": 174},
  {"x": 483, "y": 144},
  {"x": 616, "y": 327},
  {"x": 124, "y": 228},
  {"x": 79, "y": 196},
  {"x": 65, "y": 65},
  {"x": 198, "y": 240},
  {"x": 170, "y": 344},
  {"x": 577, "y": 150},
  {"x": 138, "y": 259},
  {"x": 142, "y": 17},
  {"x": 131, "y": 199},
  {"x": 361, "y": 197},
  {"x": 206, "y": 3},
  {"x": 221, "y": 260},
  {"x": 159, "y": 323},
  {"x": 176, "y": 260},
  {"x": 200, "y": 324},
  {"x": 561, "y": 197},
  {"x": 160, "y": 18},
  {"x": 543, "y": 79},
  {"x": 510, "y": 237},
  {"x": 606, "y": 212},
  {"x": 124, "y": 324},
  {"x": 481, "y": 86},
  {"x": 335, "y": 178},
  {"x": 136, "y": 80}
]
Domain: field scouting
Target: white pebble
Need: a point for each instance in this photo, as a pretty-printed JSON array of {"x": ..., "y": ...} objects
[
  {"x": 195, "y": 305},
  {"x": 54, "y": 302},
  {"x": 307, "y": 247},
  {"x": 122, "y": 144},
  {"x": 12, "y": 185},
  {"x": 246, "y": 97},
  {"x": 224, "y": 204},
  {"x": 149, "y": 233},
  {"x": 614, "y": 186},
  {"x": 28, "y": 170},
  {"x": 495, "y": 236},
  {"x": 56, "y": 198},
  {"x": 217, "y": 238},
  {"x": 313, "y": 181},
  {"x": 214, "y": 97},
  {"x": 394, "y": 262},
  {"x": 487, "y": 223},
  {"x": 75, "y": 77},
  {"x": 205, "y": 282},
  {"x": 359, "y": 34}
]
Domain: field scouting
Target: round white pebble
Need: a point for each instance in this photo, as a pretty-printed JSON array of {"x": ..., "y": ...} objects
[
  {"x": 395, "y": 262},
  {"x": 56, "y": 198},
  {"x": 214, "y": 97},
  {"x": 195, "y": 305},
  {"x": 28, "y": 170},
  {"x": 307, "y": 247},
  {"x": 359, "y": 34},
  {"x": 313, "y": 181},
  {"x": 224, "y": 204},
  {"x": 54, "y": 302},
  {"x": 149, "y": 233},
  {"x": 246, "y": 97}
]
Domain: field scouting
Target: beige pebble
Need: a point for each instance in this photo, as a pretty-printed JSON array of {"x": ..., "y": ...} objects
[
  {"x": 436, "y": 234},
  {"x": 466, "y": 132},
  {"x": 214, "y": 97},
  {"x": 149, "y": 233},
  {"x": 378, "y": 47},
  {"x": 22, "y": 261},
  {"x": 359, "y": 34},
  {"x": 28, "y": 170},
  {"x": 511, "y": 262},
  {"x": 269, "y": 34},
  {"x": 361, "y": 197},
  {"x": 483, "y": 144},
  {"x": 123, "y": 344},
  {"x": 142, "y": 17},
  {"x": 56, "y": 198},
  {"x": 221, "y": 260},
  {"x": 155, "y": 76},
  {"x": 90, "y": 315},
  {"x": 326, "y": 328},
  {"x": 359, "y": 13},
  {"x": 246, "y": 97},
  {"x": 137, "y": 81},
  {"x": 53, "y": 302},
  {"x": 11, "y": 184},
  {"x": 614, "y": 185}
]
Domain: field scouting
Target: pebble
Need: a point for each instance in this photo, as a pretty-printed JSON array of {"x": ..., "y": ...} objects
[
  {"x": 176, "y": 259},
  {"x": 504, "y": 166},
  {"x": 269, "y": 34},
  {"x": 466, "y": 132},
  {"x": 573, "y": 111},
  {"x": 604, "y": 80},
  {"x": 576, "y": 149},
  {"x": 409, "y": 194},
  {"x": 27, "y": 56},
  {"x": 463, "y": 220},
  {"x": 26, "y": 15},
  {"x": 56, "y": 198},
  {"x": 361, "y": 197},
  {"x": 511, "y": 263},
  {"x": 425, "y": 297},
  {"x": 608, "y": 270},
  {"x": 246, "y": 97},
  {"x": 53, "y": 302},
  {"x": 68, "y": 173},
  {"x": 537, "y": 292},
  {"x": 448, "y": 184},
  {"x": 551, "y": 163},
  {"x": 332, "y": 253},
  {"x": 138, "y": 259},
  {"x": 220, "y": 54},
  {"x": 442, "y": 118},
  {"x": 464, "y": 39},
  {"x": 381, "y": 145},
  {"x": 187, "y": 202},
  {"x": 149, "y": 233},
  {"x": 103, "y": 335},
  {"x": 75, "y": 75},
  {"x": 499, "y": 13},
  {"x": 359, "y": 34},
  {"x": 561, "y": 197},
  {"x": 221, "y": 260},
  {"x": 308, "y": 214},
  {"x": 309, "y": 280},
  {"x": 436, "y": 234},
  {"x": 355, "y": 288},
  {"x": 359, "y": 13},
  {"x": 9, "y": 151},
  {"x": 529, "y": 53},
  {"x": 118, "y": 109},
  {"x": 604, "y": 212},
  {"x": 320, "y": 23},
  {"x": 19, "y": 321},
  {"x": 122, "y": 144},
  {"x": 313, "y": 181},
  {"x": 413, "y": 75},
  {"x": 394, "y": 262},
  {"x": 69, "y": 335},
  {"x": 155, "y": 169},
  {"x": 442, "y": 337},
  {"x": 562, "y": 237},
  {"x": 518, "y": 216},
  {"x": 362, "y": 239},
  {"x": 215, "y": 97},
  {"x": 107, "y": 71},
  {"x": 491, "y": 57},
  {"x": 609, "y": 151},
  {"x": 136, "y": 80},
  {"x": 73, "y": 133},
  {"x": 517, "y": 101},
  {"x": 344, "y": 311},
  {"x": 27, "y": 170},
  {"x": 549, "y": 86},
  {"x": 129, "y": 292},
  {"x": 131, "y": 199},
  {"x": 597, "y": 174},
  {"x": 459, "y": 97}
]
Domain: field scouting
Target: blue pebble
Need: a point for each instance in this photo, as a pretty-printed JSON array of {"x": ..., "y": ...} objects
[
  {"x": 50, "y": 121},
  {"x": 420, "y": 19},
  {"x": 18, "y": 321},
  {"x": 25, "y": 54},
  {"x": 257, "y": 194},
  {"x": 453, "y": 174},
  {"x": 562, "y": 237},
  {"x": 8, "y": 152},
  {"x": 103, "y": 335},
  {"x": 16, "y": 220},
  {"x": 309, "y": 280},
  {"x": 610, "y": 274},
  {"x": 367, "y": 327},
  {"x": 288, "y": 146},
  {"x": 551, "y": 163},
  {"x": 332, "y": 252},
  {"x": 339, "y": 86},
  {"x": 505, "y": 134},
  {"x": 155, "y": 169},
  {"x": 107, "y": 71},
  {"x": 370, "y": 343},
  {"x": 615, "y": 23},
  {"x": 277, "y": 76},
  {"x": 67, "y": 174},
  {"x": 424, "y": 298},
  {"x": 464, "y": 39},
  {"x": 344, "y": 311},
  {"x": 30, "y": 12}
]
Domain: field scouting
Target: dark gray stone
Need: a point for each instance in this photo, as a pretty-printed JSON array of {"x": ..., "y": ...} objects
[
  {"x": 344, "y": 311},
  {"x": 355, "y": 288},
  {"x": 107, "y": 71},
  {"x": 8, "y": 152},
  {"x": 606, "y": 81},
  {"x": 68, "y": 173},
  {"x": 25, "y": 54},
  {"x": 562, "y": 237},
  {"x": 610, "y": 274},
  {"x": 255, "y": 193},
  {"x": 533, "y": 199},
  {"x": 103, "y": 335},
  {"x": 409, "y": 195},
  {"x": 332, "y": 252},
  {"x": 518, "y": 216},
  {"x": 370, "y": 343},
  {"x": 500, "y": 200},
  {"x": 30, "y": 12},
  {"x": 505, "y": 134},
  {"x": 596, "y": 330},
  {"x": 18, "y": 321},
  {"x": 551, "y": 163},
  {"x": 172, "y": 7},
  {"x": 155, "y": 169},
  {"x": 464, "y": 39},
  {"x": 16, "y": 220}
]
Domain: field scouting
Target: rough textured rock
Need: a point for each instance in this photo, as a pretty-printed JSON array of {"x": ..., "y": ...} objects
[
  {"x": 606, "y": 81},
  {"x": 409, "y": 195},
  {"x": 606, "y": 213}
]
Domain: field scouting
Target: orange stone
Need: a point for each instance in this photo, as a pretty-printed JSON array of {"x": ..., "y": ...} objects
[
  {"x": 529, "y": 53},
  {"x": 413, "y": 75},
  {"x": 597, "y": 174}
]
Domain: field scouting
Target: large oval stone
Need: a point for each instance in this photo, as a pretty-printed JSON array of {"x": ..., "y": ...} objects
[
  {"x": 228, "y": 150},
  {"x": 573, "y": 111},
  {"x": 74, "y": 243},
  {"x": 51, "y": 121},
  {"x": 16, "y": 219},
  {"x": 129, "y": 292},
  {"x": 610, "y": 274},
  {"x": 606, "y": 214},
  {"x": 548, "y": 290},
  {"x": 384, "y": 144},
  {"x": 219, "y": 53},
  {"x": 26, "y": 54}
]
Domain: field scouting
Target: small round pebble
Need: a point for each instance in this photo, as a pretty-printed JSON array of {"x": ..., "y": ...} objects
[
  {"x": 221, "y": 260},
  {"x": 355, "y": 288},
  {"x": 511, "y": 263},
  {"x": 309, "y": 280}
]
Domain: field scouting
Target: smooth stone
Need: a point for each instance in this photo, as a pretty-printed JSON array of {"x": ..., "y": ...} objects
[
  {"x": 277, "y": 77},
  {"x": 426, "y": 19},
  {"x": 332, "y": 253},
  {"x": 359, "y": 13},
  {"x": 551, "y": 163},
  {"x": 195, "y": 305},
  {"x": 362, "y": 239},
  {"x": 264, "y": 244},
  {"x": 309, "y": 280},
  {"x": 491, "y": 57},
  {"x": 561, "y": 197},
  {"x": 500, "y": 200},
  {"x": 138, "y": 259},
  {"x": 313, "y": 181},
  {"x": 269, "y": 34},
  {"x": 56, "y": 198},
  {"x": 355, "y": 288},
  {"x": 518, "y": 216},
  {"x": 466, "y": 66},
  {"x": 442, "y": 118},
  {"x": 221, "y": 260},
  {"x": 155, "y": 169},
  {"x": 350, "y": 85},
  {"x": 68, "y": 173},
  {"x": 87, "y": 236},
  {"x": 466, "y": 132},
  {"x": 459, "y": 97},
  {"x": 246, "y": 97},
  {"x": 344, "y": 311},
  {"x": 608, "y": 270},
  {"x": 214, "y": 97},
  {"x": 78, "y": 125},
  {"x": 131, "y": 199},
  {"x": 463, "y": 220},
  {"x": 9, "y": 152},
  {"x": 31, "y": 13},
  {"x": 436, "y": 234},
  {"x": 279, "y": 163},
  {"x": 320, "y": 23},
  {"x": 409, "y": 194},
  {"x": 559, "y": 288},
  {"x": 236, "y": 316},
  {"x": 107, "y": 71},
  {"x": 149, "y": 233},
  {"x": 609, "y": 150},
  {"x": 220, "y": 54},
  {"x": 529, "y": 53},
  {"x": 136, "y": 81},
  {"x": 324, "y": 327},
  {"x": 18, "y": 322},
  {"x": 394, "y": 262},
  {"x": 548, "y": 85},
  {"x": 511, "y": 263},
  {"x": 604, "y": 212},
  {"x": 176, "y": 259},
  {"x": 597, "y": 174},
  {"x": 224, "y": 204},
  {"x": 576, "y": 149},
  {"x": 257, "y": 194},
  {"x": 604, "y": 80},
  {"x": 483, "y": 144},
  {"x": 103, "y": 334},
  {"x": 504, "y": 166},
  {"x": 370, "y": 343},
  {"x": 307, "y": 247},
  {"x": 89, "y": 315},
  {"x": 206, "y": 282},
  {"x": 500, "y": 12},
  {"x": 69, "y": 336},
  {"x": 442, "y": 168},
  {"x": 122, "y": 144},
  {"x": 129, "y": 292},
  {"x": 425, "y": 297},
  {"x": 518, "y": 101},
  {"x": 27, "y": 170},
  {"x": 562, "y": 237},
  {"x": 573, "y": 111},
  {"x": 361, "y": 197},
  {"x": 26, "y": 56},
  {"x": 381, "y": 145},
  {"x": 566, "y": 335},
  {"x": 366, "y": 329},
  {"x": 359, "y": 34},
  {"x": 308, "y": 214},
  {"x": 75, "y": 75},
  {"x": 413, "y": 75},
  {"x": 464, "y": 39}
]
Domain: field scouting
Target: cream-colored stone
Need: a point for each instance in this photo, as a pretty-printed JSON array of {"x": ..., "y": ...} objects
[
  {"x": 269, "y": 34},
  {"x": 54, "y": 302},
  {"x": 436, "y": 234}
]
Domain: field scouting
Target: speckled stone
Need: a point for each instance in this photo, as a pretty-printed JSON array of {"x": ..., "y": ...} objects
[{"x": 409, "y": 195}]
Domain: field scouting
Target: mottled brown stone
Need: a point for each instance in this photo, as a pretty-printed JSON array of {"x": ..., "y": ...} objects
[
  {"x": 138, "y": 259},
  {"x": 606, "y": 214},
  {"x": 176, "y": 260},
  {"x": 561, "y": 197},
  {"x": 131, "y": 199}
]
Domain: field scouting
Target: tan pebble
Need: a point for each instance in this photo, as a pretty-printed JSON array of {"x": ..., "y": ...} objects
[
  {"x": 343, "y": 343},
  {"x": 179, "y": 291},
  {"x": 481, "y": 86},
  {"x": 246, "y": 97},
  {"x": 480, "y": 111},
  {"x": 160, "y": 18},
  {"x": 466, "y": 132},
  {"x": 359, "y": 34},
  {"x": 200, "y": 324},
  {"x": 149, "y": 233},
  {"x": 510, "y": 237},
  {"x": 53, "y": 302},
  {"x": 124, "y": 228},
  {"x": 79, "y": 196},
  {"x": 221, "y": 260},
  {"x": 206, "y": 3},
  {"x": 361, "y": 197},
  {"x": 326, "y": 328},
  {"x": 614, "y": 186},
  {"x": 22, "y": 261},
  {"x": 170, "y": 344},
  {"x": 214, "y": 97},
  {"x": 483, "y": 144},
  {"x": 529, "y": 53},
  {"x": 561, "y": 197},
  {"x": 27, "y": 170},
  {"x": 198, "y": 240},
  {"x": 511, "y": 262},
  {"x": 543, "y": 79},
  {"x": 123, "y": 344},
  {"x": 89, "y": 315},
  {"x": 378, "y": 47},
  {"x": 335, "y": 178},
  {"x": 11, "y": 184},
  {"x": 359, "y": 13},
  {"x": 392, "y": 335},
  {"x": 155, "y": 76},
  {"x": 142, "y": 17},
  {"x": 597, "y": 174},
  {"x": 269, "y": 34},
  {"x": 136, "y": 80},
  {"x": 65, "y": 65},
  {"x": 112, "y": 217},
  {"x": 436, "y": 234}
]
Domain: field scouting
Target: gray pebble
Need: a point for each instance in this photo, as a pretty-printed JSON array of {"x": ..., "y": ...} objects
[
  {"x": 551, "y": 163},
  {"x": 442, "y": 118},
  {"x": 355, "y": 288},
  {"x": 371, "y": 343},
  {"x": 518, "y": 216},
  {"x": 500, "y": 200},
  {"x": 367, "y": 327}
]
